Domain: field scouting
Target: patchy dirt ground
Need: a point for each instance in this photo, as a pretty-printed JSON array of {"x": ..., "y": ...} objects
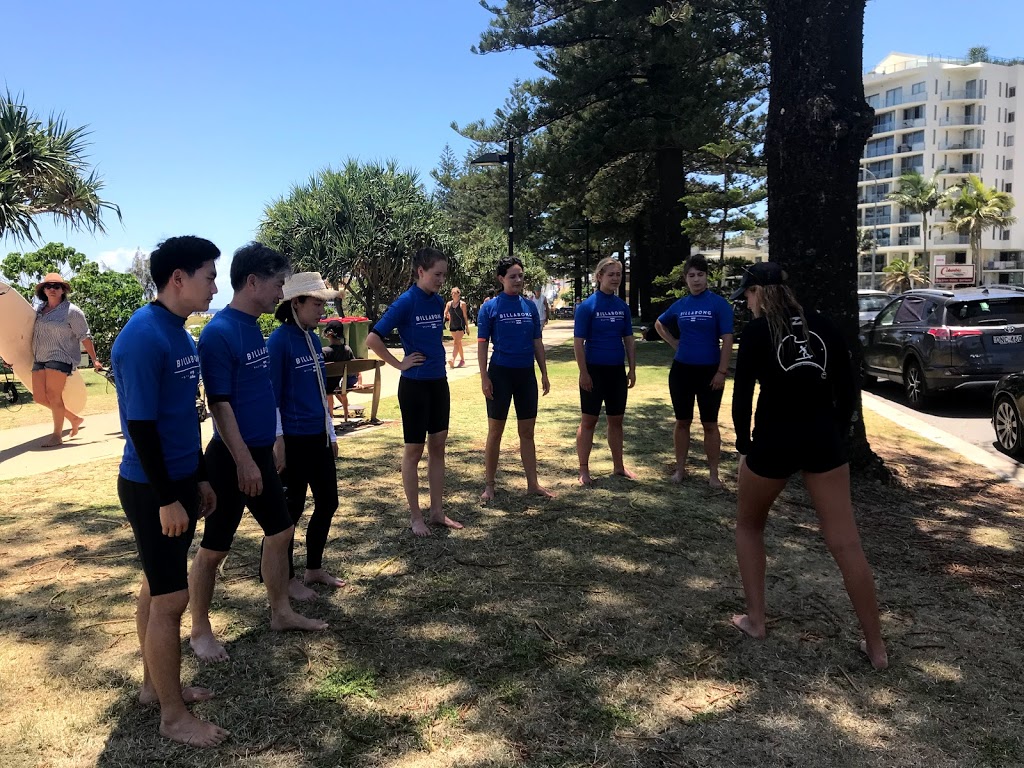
[{"x": 588, "y": 630}]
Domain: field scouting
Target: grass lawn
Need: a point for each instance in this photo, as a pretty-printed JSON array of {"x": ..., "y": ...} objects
[
  {"x": 591, "y": 630},
  {"x": 102, "y": 399}
]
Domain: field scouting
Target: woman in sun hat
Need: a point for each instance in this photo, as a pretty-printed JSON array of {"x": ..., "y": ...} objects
[
  {"x": 59, "y": 332},
  {"x": 311, "y": 447},
  {"x": 804, "y": 412}
]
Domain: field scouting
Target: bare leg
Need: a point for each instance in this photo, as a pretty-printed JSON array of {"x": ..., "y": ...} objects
[
  {"x": 162, "y": 654},
  {"x": 528, "y": 453},
  {"x": 713, "y": 451},
  {"x": 411, "y": 455},
  {"x": 435, "y": 477},
  {"x": 274, "y": 567},
  {"x": 830, "y": 493},
  {"x": 201, "y": 580},
  {"x": 756, "y": 495},
  {"x": 585, "y": 444},
  {"x": 615, "y": 445},
  {"x": 54, "y": 382},
  {"x": 457, "y": 349},
  {"x": 495, "y": 428},
  {"x": 681, "y": 442}
]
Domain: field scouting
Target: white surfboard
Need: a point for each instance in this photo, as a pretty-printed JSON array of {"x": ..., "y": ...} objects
[{"x": 16, "y": 320}]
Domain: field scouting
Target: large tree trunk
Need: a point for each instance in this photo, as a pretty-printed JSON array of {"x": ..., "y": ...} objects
[{"x": 818, "y": 122}]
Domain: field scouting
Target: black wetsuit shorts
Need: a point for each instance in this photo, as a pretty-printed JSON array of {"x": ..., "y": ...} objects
[
  {"x": 610, "y": 387},
  {"x": 426, "y": 408},
  {"x": 512, "y": 384},
  {"x": 687, "y": 383}
]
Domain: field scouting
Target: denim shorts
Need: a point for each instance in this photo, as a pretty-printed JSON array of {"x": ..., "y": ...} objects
[{"x": 53, "y": 365}]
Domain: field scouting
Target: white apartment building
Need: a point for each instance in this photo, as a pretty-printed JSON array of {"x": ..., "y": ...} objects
[{"x": 949, "y": 115}]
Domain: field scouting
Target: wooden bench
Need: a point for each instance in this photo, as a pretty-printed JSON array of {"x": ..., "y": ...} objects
[{"x": 346, "y": 368}]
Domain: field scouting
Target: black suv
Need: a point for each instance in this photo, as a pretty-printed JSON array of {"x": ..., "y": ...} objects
[{"x": 933, "y": 340}]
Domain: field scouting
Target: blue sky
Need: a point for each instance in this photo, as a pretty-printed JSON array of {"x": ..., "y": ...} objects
[{"x": 203, "y": 112}]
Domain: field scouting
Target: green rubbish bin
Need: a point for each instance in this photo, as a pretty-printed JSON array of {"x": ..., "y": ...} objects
[{"x": 356, "y": 329}]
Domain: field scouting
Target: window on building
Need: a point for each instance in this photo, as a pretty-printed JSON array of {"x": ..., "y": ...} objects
[
  {"x": 1009, "y": 186},
  {"x": 913, "y": 113},
  {"x": 1007, "y": 164},
  {"x": 960, "y": 257},
  {"x": 1004, "y": 234},
  {"x": 1011, "y": 91},
  {"x": 893, "y": 96},
  {"x": 1011, "y": 116},
  {"x": 874, "y": 100},
  {"x": 1008, "y": 141},
  {"x": 917, "y": 87}
]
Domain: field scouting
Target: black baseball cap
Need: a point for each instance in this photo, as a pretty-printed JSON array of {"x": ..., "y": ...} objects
[
  {"x": 761, "y": 273},
  {"x": 335, "y": 328}
]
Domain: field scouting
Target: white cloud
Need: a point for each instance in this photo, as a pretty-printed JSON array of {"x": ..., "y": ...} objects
[{"x": 119, "y": 259}]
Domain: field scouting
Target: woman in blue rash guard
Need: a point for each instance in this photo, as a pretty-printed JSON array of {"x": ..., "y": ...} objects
[
  {"x": 512, "y": 323},
  {"x": 602, "y": 340},
  {"x": 423, "y": 395},
  {"x": 299, "y": 375}
]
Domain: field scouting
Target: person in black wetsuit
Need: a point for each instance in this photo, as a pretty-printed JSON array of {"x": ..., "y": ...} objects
[
  {"x": 456, "y": 313},
  {"x": 804, "y": 411}
]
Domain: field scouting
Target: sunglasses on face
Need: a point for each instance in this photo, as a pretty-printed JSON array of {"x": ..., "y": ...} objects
[{"x": 53, "y": 286}]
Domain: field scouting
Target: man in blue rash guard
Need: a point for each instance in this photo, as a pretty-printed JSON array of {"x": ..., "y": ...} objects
[
  {"x": 511, "y": 322},
  {"x": 162, "y": 482},
  {"x": 245, "y": 455},
  {"x": 602, "y": 340},
  {"x": 299, "y": 375},
  {"x": 423, "y": 394},
  {"x": 704, "y": 322}
]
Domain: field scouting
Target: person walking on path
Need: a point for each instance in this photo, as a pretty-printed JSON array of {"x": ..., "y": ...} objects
[
  {"x": 423, "y": 395},
  {"x": 510, "y": 321},
  {"x": 602, "y": 340},
  {"x": 247, "y": 451},
  {"x": 298, "y": 373},
  {"x": 60, "y": 327},
  {"x": 543, "y": 306},
  {"x": 703, "y": 322},
  {"x": 804, "y": 411},
  {"x": 455, "y": 314},
  {"x": 162, "y": 482}
]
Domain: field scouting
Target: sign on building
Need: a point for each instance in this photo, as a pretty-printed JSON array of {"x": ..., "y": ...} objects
[{"x": 953, "y": 274}]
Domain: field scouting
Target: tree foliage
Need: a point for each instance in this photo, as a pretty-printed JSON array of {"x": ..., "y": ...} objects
[
  {"x": 25, "y": 270},
  {"x": 918, "y": 194},
  {"x": 358, "y": 227},
  {"x": 44, "y": 170},
  {"x": 975, "y": 208},
  {"x": 140, "y": 271}
]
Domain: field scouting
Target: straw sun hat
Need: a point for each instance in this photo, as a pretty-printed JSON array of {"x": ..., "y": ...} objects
[{"x": 303, "y": 284}]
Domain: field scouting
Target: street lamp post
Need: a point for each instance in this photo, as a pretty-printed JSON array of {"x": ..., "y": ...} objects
[{"x": 494, "y": 158}]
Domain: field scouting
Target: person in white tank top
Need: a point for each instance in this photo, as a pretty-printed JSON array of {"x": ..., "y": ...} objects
[{"x": 543, "y": 308}]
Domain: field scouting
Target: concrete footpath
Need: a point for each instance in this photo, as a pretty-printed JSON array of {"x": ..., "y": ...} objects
[{"x": 100, "y": 436}]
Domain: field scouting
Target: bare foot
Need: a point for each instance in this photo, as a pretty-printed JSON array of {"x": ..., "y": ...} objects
[
  {"x": 742, "y": 621},
  {"x": 420, "y": 528},
  {"x": 879, "y": 659},
  {"x": 76, "y": 424},
  {"x": 299, "y": 591},
  {"x": 462, "y": 364},
  {"x": 208, "y": 649},
  {"x": 585, "y": 479},
  {"x": 625, "y": 473},
  {"x": 320, "y": 576},
  {"x": 488, "y": 494},
  {"x": 290, "y": 620},
  {"x": 193, "y": 732},
  {"x": 189, "y": 695},
  {"x": 52, "y": 442},
  {"x": 715, "y": 483},
  {"x": 447, "y": 522},
  {"x": 540, "y": 490},
  {"x": 679, "y": 476}
]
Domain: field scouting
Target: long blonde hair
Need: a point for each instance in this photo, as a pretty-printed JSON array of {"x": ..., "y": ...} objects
[{"x": 779, "y": 306}]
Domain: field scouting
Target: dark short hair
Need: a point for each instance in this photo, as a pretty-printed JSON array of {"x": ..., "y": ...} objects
[
  {"x": 187, "y": 253},
  {"x": 256, "y": 259},
  {"x": 696, "y": 261},
  {"x": 506, "y": 264},
  {"x": 425, "y": 258}
]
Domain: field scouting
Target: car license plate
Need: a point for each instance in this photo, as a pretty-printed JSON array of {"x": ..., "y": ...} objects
[{"x": 1013, "y": 339}]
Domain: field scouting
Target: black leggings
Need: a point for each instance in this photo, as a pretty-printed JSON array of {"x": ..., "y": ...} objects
[{"x": 309, "y": 462}]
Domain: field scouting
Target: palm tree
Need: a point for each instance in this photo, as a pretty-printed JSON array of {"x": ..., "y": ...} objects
[
  {"x": 901, "y": 275},
  {"x": 974, "y": 208},
  {"x": 43, "y": 169},
  {"x": 919, "y": 195}
]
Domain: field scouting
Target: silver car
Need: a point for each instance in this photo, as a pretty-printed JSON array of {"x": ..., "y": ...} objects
[{"x": 870, "y": 302}]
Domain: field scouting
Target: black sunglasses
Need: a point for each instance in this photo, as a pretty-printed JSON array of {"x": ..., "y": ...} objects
[{"x": 48, "y": 286}]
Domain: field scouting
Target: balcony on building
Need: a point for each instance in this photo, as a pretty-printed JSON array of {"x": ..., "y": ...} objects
[
  {"x": 952, "y": 238},
  {"x": 961, "y": 120},
  {"x": 959, "y": 169},
  {"x": 909, "y": 240},
  {"x": 963, "y": 94},
  {"x": 960, "y": 145},
  {"x": 909, "y": 218}
]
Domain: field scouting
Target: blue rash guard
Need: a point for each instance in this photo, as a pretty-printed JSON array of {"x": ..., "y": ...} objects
[
  {"x": 419, "y": 318},
  {"x": 603, "y": 320},
  {"x": 511, "y": 323},
  {"x": 156, "y": 373},
  {"x": 296, "y": 386},
  {"x": 701, "y": 321},
  {"x": 235, "y": 364}
]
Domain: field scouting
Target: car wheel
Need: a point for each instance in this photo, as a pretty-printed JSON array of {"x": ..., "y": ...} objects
[
  {"x": 1007, "y": 425},
  {"x": 914, "y": 387}
]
